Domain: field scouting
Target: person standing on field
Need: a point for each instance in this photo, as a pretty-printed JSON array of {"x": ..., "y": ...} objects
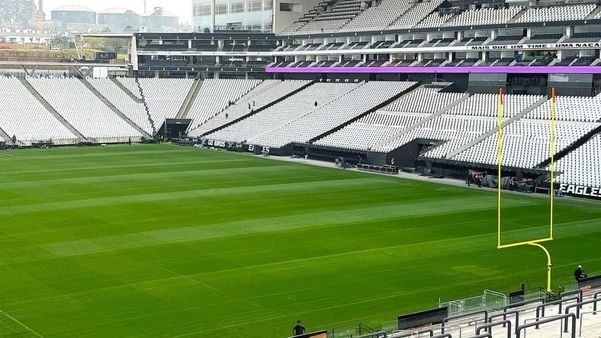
[{"x": 298, "y": 329}]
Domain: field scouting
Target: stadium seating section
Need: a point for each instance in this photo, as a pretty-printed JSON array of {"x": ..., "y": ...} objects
[
  {"x": 385, "y": 24},
  {"x": 352, "y": 16},
  {"x": 83, "y": 110},
  {"x": 377, "y": 116},
  {"x": 582, "y": 166},
  {"x": 25, "y": 118}
]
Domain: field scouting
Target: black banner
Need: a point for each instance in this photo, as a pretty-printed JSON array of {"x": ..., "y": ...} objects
[
  {"x": 580, "y": 190},
  {"x": 106, "y": 55}
]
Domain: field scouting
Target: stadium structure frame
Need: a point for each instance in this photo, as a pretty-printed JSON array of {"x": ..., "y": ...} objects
[{"x": 534, "y": 242}]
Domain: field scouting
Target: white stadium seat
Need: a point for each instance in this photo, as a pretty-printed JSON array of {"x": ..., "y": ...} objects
[
  {"x": 83, "y": 110},
  {"x": 23, "y": 116}
]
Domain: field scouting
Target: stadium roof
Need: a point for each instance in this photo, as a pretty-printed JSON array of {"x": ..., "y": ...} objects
[
  {"x": 73, "y": 8},
  {"x": 116, "y": 10},
  {"x": 108, "y": 35}
]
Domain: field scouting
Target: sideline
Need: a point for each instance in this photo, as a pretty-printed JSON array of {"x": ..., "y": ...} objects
[
  {"x": 417, "y": 177},
  {"x": 21, "y": 324}
]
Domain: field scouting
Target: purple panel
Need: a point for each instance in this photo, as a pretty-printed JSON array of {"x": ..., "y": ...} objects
[{"x": 442, "y": 70}]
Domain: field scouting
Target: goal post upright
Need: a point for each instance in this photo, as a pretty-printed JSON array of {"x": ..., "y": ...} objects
[
  {"x": 500, "y": 164},
  {"x": 552, "y": 164},
  {"x": 533, "y": 242}
]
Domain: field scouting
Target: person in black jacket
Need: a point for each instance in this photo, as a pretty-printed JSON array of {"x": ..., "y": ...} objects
[
  {"x": 298, "y": 329},
  {"x": 579, "y": 273}
]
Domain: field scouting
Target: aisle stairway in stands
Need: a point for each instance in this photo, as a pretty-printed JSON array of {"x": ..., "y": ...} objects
[
  {"x": 370, "y": 111},
  {"x": 421, "y": 122},
  {"x": 134, "y": 110},
  {"x": 184, "y": 110},
  {"x": 494, "y": 130},
  {"x": 73, "y": 100},
  {"x": 421, "y": 104},
  {"x": 215, "y": 95},
  {"x": 163, "y": 97},
  {"x": 265, "y": 99},
  {"x": 112, "y": 107},
  {"x": 53, "y": 111},
  {"x": 146, "y": 106},
  {"x": 577, "y": 118},
  {"x": 25, "y": 119},
  {"x": 257, "y": 86},
  {"x": 308, "y": 125},
  {"x": 581, "y": 166},
  {"x": 236, "y": 110},
  {"x": 566, "y": 151},
  {"x": 284, "y": 111},
  {"x": 4, "y": 136},
  {"x": 127, "y": 90}
]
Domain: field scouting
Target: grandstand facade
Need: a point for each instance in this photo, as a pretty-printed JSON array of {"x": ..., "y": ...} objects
[
  {"x": 409, "y": 84},
  {"x": 378, "y": 122}
]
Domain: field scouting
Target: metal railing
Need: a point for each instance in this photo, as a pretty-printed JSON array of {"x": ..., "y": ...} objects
[
  {"x": 416, "y": 333},
  {"x": 578, "y": 292},
  {"x": 483, "y": 335},
  {"x": 582, "y": 319},
  {"x": 473, "y": 314},
  {"x": 504, "y": 315},
  {"x": 538, "y": 322},
  {"x": 488, "y": 327},
  {"x": 578, "y": 306},
  {"x": 540, "y": 310}
]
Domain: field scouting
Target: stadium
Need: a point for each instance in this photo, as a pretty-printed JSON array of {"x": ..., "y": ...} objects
[{"x": 318, "y": 168}]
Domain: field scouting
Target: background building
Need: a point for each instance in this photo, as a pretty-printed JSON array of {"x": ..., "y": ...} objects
[
  {"x": 119, "y": 20},
  {"x": 159, "y": 21},
  {"x": 255, "y": 15},
  {"x": 73, "y": 14}
]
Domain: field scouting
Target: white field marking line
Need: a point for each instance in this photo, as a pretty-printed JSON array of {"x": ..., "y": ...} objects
[
  {"x": 228, "y": 326},
  {"x": 195, "y": 281},
  {"x": 23, "y": 325},
  {"x": 9, "y": 155}
]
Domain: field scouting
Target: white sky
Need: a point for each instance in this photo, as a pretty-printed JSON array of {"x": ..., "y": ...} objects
[{"x": 183, "y": 8}]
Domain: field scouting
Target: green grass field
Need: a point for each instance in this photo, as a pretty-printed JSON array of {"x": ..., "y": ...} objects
[{"x": 163, "y": 241}]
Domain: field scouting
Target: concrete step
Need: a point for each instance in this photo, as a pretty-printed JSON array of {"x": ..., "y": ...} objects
[
  {"x": 146, "y": 108},
  {"x": 113, "y": 108},
  {"x": 126, "y": 90},
  {"x": 189, "y": 101}
]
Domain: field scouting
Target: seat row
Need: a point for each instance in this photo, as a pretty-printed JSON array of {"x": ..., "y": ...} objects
[
  {"x": 582, "y": 166},
  {"x": 332, "y": 114},
  {"x": 392, "y": 14}
]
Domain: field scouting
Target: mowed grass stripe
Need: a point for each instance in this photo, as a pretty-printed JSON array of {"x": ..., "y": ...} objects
[
  {"x": 327, "y": 246},
  {"x": 186, "y": 194},
  {"x": 204, "y": 232}
]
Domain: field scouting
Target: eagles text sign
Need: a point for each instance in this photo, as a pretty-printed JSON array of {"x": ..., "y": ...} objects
[{"x": 580, "y": 190}]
